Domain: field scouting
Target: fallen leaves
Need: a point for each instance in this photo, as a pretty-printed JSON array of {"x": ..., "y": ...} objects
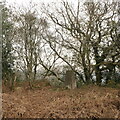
[{"x": 45, "y": 103}]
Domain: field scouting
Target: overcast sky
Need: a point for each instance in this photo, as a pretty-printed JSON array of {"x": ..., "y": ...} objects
[
  {"x": 25, "y": 2},
  {"x": 36, "y": 1}
]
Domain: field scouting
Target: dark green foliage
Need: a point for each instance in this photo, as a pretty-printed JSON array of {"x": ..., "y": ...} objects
[{"x": 7, "y": 55}]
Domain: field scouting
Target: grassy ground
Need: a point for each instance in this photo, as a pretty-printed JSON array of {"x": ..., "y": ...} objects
[{"x": 47, "y": 102}]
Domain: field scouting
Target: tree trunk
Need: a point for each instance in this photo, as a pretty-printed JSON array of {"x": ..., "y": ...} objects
[
  {"x": 98, "y": 75},
  {"x": 97, "y": 69},
  {"x": 87, "y": 77}
]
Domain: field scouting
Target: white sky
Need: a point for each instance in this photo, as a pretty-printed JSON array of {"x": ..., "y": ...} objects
[
  {"x": 35, "y": 1},
  {"x": 26, "y": 2},
  {"x": 47, "y": 1}
]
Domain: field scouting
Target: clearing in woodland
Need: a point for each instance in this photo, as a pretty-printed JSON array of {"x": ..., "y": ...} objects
[{"x": 47, "y": 102}]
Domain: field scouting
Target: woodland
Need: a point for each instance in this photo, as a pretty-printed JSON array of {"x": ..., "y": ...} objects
[{"x": 42, "y": 42}]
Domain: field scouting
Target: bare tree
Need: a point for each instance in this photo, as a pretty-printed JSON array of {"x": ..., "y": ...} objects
[
  {"x": 101, "y": 15},
  {"x": 28, "y": 41},
  {"x": 73, "y": 36},
  {"x": 87, "y": 37}
]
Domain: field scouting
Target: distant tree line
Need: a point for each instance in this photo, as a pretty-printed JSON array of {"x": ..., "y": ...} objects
[{"x": 83, "y": 37}]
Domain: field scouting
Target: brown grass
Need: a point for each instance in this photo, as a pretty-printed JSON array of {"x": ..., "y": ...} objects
[{"x": 86, "y": 102}]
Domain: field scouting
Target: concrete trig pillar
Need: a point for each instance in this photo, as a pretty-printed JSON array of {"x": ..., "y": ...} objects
[{"x": 70, "y": 80}]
